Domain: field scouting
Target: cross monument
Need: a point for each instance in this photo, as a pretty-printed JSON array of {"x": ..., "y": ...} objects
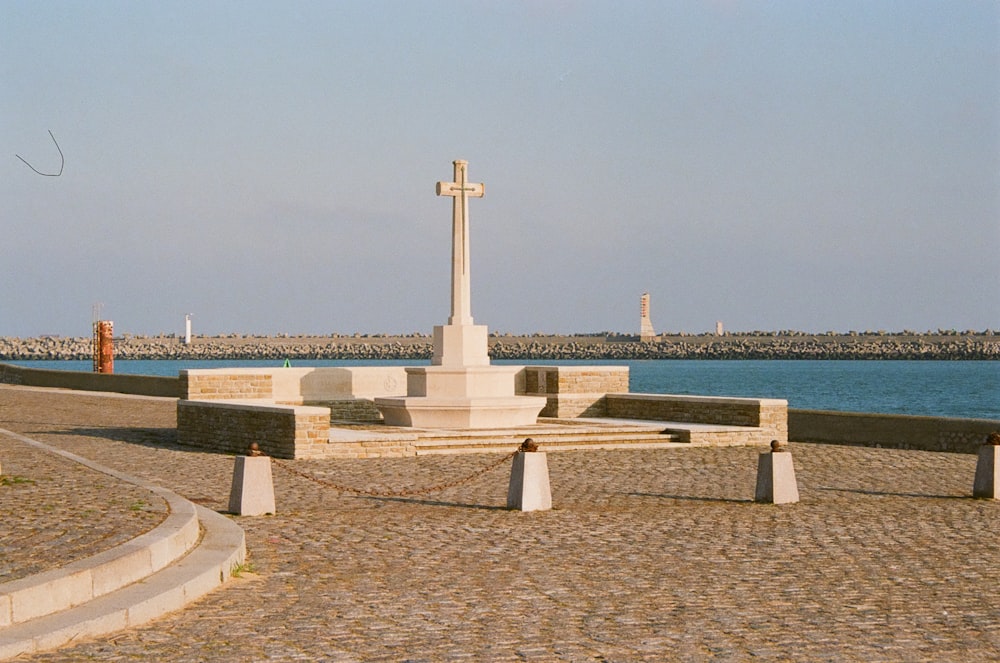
[
  {"x": 461, "y": 389},
  {"x": 461, "y": 285},
  {"x": 460, "y": 342}
]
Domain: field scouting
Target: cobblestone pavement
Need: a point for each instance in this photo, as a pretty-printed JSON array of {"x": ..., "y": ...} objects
[
  {"x": 648, "y": 555},
  {"x": 39, "y": 526}
]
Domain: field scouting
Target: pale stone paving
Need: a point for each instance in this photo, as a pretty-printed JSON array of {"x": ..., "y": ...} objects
[{"x": 647, "y": 555}]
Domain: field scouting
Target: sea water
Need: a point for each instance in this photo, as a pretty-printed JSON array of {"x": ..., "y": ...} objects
[{"x": 968, "y": 389}]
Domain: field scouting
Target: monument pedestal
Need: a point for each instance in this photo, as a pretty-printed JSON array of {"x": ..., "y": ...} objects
[
  {"x": 460, "y": 345},
  {"x": 461, "y": 397}
]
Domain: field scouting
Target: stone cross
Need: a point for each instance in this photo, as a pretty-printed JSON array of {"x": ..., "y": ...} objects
[{"x": 461, "y": 282}]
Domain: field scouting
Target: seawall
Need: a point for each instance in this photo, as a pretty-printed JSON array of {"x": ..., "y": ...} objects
[
  {"x": 893, "y": 431},
  {"x": 142, "y": 385},
  {"x": 969, "y": 346}
]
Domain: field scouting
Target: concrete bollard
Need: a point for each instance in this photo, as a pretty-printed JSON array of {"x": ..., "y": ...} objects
[
  {"x": 529, "y": 480},
  {"x": 252, "y": 493},
  {"x": 987, "y": 479},
  {"x": 776, "y": 477}
]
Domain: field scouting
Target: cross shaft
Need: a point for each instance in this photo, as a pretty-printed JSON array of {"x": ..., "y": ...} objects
[{"x": 461, "y": 283}]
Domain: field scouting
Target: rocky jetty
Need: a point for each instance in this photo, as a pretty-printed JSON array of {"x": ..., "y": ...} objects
[{"x": 755, "y": 345}]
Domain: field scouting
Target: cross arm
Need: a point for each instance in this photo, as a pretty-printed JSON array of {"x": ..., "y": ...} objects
[{"x": 475, "y": 190}]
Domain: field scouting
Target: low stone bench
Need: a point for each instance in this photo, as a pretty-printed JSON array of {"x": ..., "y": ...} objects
[
  {"x": 697, "y": 434},
  {"x": 287, "y": 411},
  {"x": 699, "y": 418},
  {"x": 282, "y": 431}
]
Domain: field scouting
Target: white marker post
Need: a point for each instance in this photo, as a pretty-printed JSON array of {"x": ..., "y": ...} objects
[
  {"x": 776, "y": 477},
  {"x": 529, "y": 480},
  {"x": 987, "y": 481},
  {"x": 252, "y": 492}
]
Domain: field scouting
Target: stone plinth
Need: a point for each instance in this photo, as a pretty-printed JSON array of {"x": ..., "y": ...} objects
[
  {"x": 776, "y": 479},
  {"x": 461, "y": 397},
  {"x": 529, "y": 482},
  {"x": 492, "y": 413},
  {"x": 252, "y": 493},
  {"x": 465, "y": 382},
  {"x": 473, "y": 397},
  {"x": 987, "y": 481},
  {"x": 461, "y": 345}
]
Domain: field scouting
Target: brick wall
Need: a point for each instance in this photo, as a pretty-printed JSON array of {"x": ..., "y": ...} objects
[
  {"x": 281, "y": 431},
  {"x": 692, "y": 409},
  {"x": 770, "y": 415},
  {"x": 350, "y": 409},
  {"x": 312, "y": 433},
  {"x": 225, "y": 385},
  {"x": 574, "y": 391},
  {"x": 571, "y": 406},
  {"x": 396, "y": 448},
  {"x": 575, "y": 379}
]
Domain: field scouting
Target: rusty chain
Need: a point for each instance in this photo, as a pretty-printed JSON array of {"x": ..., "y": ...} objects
[{"x": 394, "y": 493}]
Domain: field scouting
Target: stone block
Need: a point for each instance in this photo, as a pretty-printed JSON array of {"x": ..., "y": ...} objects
[
  {"x": 458, "y": 345},
  {"x": 529, "y": 483},
  {"x": 776, "y": 479},
  {"x": 987, "y": 478},
  {"x": 252, "y": 493},
  {"x": 5, "y": 616},
  {"x": 130, "y": 563},
  {"x": 50, "y": 592}
]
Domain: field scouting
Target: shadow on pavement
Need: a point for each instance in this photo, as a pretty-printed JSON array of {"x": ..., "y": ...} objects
[
  {"x": 426, "y": 502},
  {"x": 690, "y": 497},
  {"x": 887, "y": 493}
]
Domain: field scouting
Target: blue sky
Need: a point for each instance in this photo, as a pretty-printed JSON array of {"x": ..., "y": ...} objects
[{"x": 270, "y": 167}]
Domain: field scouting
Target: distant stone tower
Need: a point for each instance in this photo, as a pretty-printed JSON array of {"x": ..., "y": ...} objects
[{"x": 646, "y": 333}]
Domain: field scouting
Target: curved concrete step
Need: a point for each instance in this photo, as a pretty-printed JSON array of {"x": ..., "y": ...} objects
[
  {"x": 210, "y": 564},
  {"x": 89, "y": 578},
  {"x": 191, "y": 552},
  {"x": 86, "y": 579}
]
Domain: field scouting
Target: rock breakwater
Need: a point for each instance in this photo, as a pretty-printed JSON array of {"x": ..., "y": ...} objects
[{"x": 985, "y": 346}]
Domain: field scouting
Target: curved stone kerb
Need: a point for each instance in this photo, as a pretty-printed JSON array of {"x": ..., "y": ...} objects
[{"x": 85, "y": 579}]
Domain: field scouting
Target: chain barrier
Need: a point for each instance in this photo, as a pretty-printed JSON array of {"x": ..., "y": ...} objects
[{"x": 394, "y": 493}]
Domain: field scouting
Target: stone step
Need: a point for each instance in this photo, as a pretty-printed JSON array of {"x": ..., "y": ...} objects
[
  {"x": 193, "y": 551},
  {"x": 450, "y": 442},
  {"x": 208, "y": 565},
  {"x": 585, "y": 439},
  {"x": 575, "y": 446},
  {"x": 86, "y": 579},
  {"x": 552, "y": 434}
]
